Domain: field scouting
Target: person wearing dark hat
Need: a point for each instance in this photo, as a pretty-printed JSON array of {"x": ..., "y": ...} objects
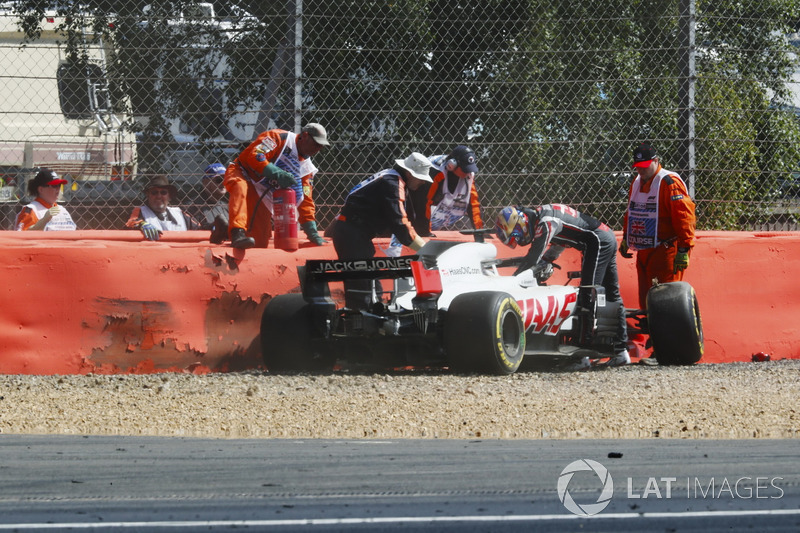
[
  {"x": 44, "y": 213},
  {"x": 156, "y": 215},
  {"x": 377, "y": 207},
  {"x": 277, "y": 159},
  {"x": 453, "y": 193},
  {"x": 548, "y": 229},
  {"x": 659, "y": 222},
  {"x": 451, "y": 196},
  {"x": 213, "y": 213}
]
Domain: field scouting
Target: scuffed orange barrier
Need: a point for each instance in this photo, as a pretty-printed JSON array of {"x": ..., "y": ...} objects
[
  {"x": 109, "y": 302},
  {"x": 747, "y": 289}
]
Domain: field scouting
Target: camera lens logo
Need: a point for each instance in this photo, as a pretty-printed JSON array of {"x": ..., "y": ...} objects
[{"x": 584, "y": 465}]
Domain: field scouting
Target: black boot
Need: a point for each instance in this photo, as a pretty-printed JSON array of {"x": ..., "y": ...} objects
[{"x": 240, "y": 240}]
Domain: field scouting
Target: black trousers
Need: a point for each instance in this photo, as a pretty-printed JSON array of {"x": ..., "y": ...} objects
[
  {"x": 599, "y": 267},
  {"x": 353, "y": 241}
]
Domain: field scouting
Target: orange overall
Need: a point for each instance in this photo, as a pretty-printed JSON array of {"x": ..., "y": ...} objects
[
  {"x": 675, "y": 229},
  {"x": 243, "y": 206}
]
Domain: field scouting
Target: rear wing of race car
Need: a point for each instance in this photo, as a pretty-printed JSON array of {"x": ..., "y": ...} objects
[{"x": 316, "y": 275}]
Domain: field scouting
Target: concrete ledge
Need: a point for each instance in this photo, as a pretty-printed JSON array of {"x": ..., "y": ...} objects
[{"x": 108, "y": 302}]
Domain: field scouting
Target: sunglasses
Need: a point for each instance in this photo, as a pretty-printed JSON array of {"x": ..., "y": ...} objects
[
  {"x": 162, "y": 192},
  {"x": 56, "y": 186}
]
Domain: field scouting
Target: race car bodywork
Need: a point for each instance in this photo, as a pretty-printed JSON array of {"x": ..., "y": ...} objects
[{"x": 450, "y": 306}]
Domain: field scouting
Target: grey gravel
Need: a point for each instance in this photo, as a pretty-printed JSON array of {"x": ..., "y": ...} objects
[{"x": 706, "y": 401}]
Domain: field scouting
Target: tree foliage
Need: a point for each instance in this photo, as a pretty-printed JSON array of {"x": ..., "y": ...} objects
[{"x": 552, "y": 94}]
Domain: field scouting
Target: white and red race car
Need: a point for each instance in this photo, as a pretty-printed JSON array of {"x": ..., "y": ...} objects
[{"x": 450, "y": 306}]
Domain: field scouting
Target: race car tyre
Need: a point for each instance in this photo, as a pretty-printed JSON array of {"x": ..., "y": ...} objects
[
  {"x": 286, "y": 336},
  {"x": 483, "y": 332},
  {"x": 673, "y": 318}
]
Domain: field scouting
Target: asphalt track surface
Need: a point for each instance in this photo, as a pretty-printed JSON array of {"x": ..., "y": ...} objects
[{"x": 81, "y": 483}]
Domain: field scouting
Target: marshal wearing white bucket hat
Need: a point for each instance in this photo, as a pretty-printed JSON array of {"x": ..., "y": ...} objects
[
  {"x": 377, "y": 207},
  {"x": 418, "y": 165}
]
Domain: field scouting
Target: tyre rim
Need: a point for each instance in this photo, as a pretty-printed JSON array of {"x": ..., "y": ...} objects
[
  {"x": 698, "y": 323},
  {"x": 511, "y": 333}
]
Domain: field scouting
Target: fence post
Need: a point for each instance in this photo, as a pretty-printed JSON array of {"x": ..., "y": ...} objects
[
  {"x": 298, "y": 64},
  {"x": 686, "y": 92},
  {"x": 278, "y": 73}
]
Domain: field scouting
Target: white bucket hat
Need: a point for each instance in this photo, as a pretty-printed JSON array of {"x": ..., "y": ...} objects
[{"x": 417, "y": 164}]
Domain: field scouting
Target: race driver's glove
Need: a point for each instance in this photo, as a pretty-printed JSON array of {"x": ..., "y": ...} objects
[
  {"x": 681, "y": 260},
  {"x": 543, "y": 271},
  {"x": 623, "y": 249},
  {"x": 150, "y": 232},
  {"x": 313, "y": 235},
  {"x": 277, "y": 177}
]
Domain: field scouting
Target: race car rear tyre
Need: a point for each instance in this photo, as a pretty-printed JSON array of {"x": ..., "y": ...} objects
[
  {"x": 483, "y": 332},
  {"x": 286, "y": 336},
  {"x": 673, "y": 319}
]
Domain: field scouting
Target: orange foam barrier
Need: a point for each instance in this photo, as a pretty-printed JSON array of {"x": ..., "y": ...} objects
[{"x": 109, "y": 302}]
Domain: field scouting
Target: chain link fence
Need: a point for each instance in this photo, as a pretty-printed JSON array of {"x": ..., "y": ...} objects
[{"x": 552, "y": 96}]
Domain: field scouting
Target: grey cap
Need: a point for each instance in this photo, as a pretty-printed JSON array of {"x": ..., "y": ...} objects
[{"x": 317, "y": 133}]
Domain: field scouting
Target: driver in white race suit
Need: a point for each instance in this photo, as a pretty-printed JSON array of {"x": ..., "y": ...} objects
[{"x": 559, "y": 226}]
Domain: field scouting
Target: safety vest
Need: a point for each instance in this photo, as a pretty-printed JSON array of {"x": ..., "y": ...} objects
[
  {"x": 367, "y": 181},
  {"x": 61, "y": 222},
  {"x": 289, "y": 161},
  {"x": 173, "y": 222},
  {"x": 453, "y": 205},
  {"x": 642, "y": 230}
]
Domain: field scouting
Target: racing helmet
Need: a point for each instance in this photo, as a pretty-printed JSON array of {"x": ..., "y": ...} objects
[{"x": 511, "y": 227}]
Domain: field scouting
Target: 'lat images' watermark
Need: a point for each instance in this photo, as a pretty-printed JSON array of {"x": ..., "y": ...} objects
[{"x": 744, "y": 487}]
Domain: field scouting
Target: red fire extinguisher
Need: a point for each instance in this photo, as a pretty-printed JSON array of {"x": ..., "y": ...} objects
[{"x": 284, "y": 217}]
